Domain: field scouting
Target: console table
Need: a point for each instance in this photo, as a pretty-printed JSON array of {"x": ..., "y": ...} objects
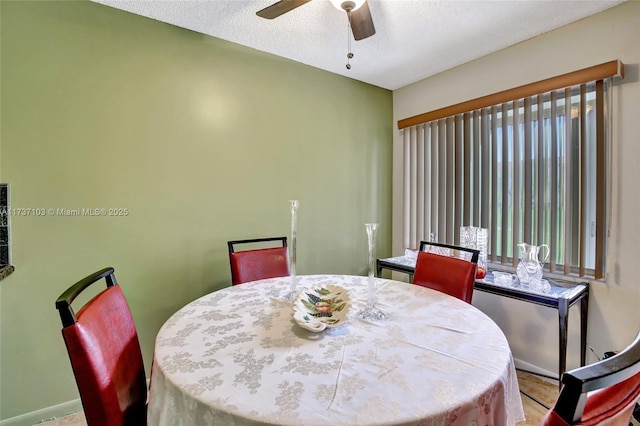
[{"x": 561, "y": 297}]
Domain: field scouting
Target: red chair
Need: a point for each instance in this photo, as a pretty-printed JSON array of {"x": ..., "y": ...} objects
[
  {"x": 466, "y": 253},
  {"x": 258, "y": 263},
  {"x": 614, "y": 384},
  {"x": 451, "y": 275},
  {"x": 105, "y": 355}
]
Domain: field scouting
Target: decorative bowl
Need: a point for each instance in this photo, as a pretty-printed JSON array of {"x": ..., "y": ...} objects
[{"x": 319, "y": 307}]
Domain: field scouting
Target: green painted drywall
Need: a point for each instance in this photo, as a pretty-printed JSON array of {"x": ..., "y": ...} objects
[{"x": 201, "y": 140}]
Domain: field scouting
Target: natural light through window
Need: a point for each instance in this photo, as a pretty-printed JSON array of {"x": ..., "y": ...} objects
[{"x": 534, "y": 169}]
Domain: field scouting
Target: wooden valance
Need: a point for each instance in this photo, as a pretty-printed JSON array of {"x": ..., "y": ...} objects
[{"x": 598, "y": 72}]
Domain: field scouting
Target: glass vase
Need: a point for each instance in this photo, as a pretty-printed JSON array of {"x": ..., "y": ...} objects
[
  {"x": 370, "y": 312},
  {"x": 293, "y": 292},
  {"x": 476, "y": 238}
]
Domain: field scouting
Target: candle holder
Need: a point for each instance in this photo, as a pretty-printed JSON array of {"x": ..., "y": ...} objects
[
  {"x": 370, "y": 312},
  {"x": 293, "y": 292}
]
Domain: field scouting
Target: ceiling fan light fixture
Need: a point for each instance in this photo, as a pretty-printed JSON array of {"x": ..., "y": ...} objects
[{"x": 347, "y": 5}]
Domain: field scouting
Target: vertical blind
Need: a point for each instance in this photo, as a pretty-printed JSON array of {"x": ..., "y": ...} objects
[{"x": 530, "y": 169}]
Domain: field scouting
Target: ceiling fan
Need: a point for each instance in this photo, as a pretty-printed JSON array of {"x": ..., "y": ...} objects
[{"x": 357, "y": 11}]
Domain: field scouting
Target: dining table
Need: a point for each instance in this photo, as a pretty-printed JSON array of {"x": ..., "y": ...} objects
[{"x": 236, "y": 356}]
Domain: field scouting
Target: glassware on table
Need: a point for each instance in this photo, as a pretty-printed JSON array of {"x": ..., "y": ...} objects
[
  {"x": 370, "y": 312},
  {"x": 504, "y": 279},
  {"x": 293, "y": 292},
  {"x": 545, "y": 286},
  {"x": 476, "y": 238},
  {"x": 529, "y": 270}
]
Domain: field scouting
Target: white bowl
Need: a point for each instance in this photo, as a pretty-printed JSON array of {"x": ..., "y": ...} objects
[{"x": 319, "y": 307}]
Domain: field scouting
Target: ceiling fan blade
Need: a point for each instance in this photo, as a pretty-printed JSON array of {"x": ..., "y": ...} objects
[
  {"x": 362, "y": 23},
  {"x": 280, "y": 8}
]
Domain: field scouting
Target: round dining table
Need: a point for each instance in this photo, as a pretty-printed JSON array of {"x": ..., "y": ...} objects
[{"x": 237, "y": 357}]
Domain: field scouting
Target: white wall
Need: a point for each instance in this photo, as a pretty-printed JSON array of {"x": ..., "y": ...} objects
[{"x": 614, "y": 312}]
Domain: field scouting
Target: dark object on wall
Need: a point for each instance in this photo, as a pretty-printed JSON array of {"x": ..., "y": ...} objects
[
  {"x": 5, "y": 223},
  {"x": 5, "y": 231}
]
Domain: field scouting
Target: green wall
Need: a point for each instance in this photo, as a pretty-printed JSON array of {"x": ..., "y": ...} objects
[{"x": 201, "y": 140}]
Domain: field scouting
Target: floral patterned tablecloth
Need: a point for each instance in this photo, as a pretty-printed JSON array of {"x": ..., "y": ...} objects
[{"x": 237, "y": 357}]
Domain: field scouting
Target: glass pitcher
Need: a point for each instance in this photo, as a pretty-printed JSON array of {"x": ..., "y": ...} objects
[{"x": 529, "y": 269}]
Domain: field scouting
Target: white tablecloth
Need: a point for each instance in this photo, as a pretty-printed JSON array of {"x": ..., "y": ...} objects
[{"x": 236, "y": 357}]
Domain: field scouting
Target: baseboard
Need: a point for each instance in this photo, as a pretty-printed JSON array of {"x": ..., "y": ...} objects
[
  {"x": 534, "y": 369},
  {"x": 44, "y": 414},
  {"x": 47, "y": 413}
]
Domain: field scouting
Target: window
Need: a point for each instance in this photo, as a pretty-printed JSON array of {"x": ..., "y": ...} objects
[{"x": 529, "y": 164}]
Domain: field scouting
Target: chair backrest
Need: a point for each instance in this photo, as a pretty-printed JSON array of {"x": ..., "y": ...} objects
[
  {"x": 258, "y": 263},
  {"x": 466, "y": 253},
  {"x": 617, "y": 382},
  {"x": 449, "y": 275},
  {"x": 105, "y": 355}
]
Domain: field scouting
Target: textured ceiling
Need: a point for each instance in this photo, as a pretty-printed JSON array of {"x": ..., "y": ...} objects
[{"x": 414, "y": 38}]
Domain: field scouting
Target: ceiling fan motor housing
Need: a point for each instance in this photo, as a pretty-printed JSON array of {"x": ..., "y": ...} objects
[
  {"x": 348, "y": 5},
  {"x": 358, "y": 12}
]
